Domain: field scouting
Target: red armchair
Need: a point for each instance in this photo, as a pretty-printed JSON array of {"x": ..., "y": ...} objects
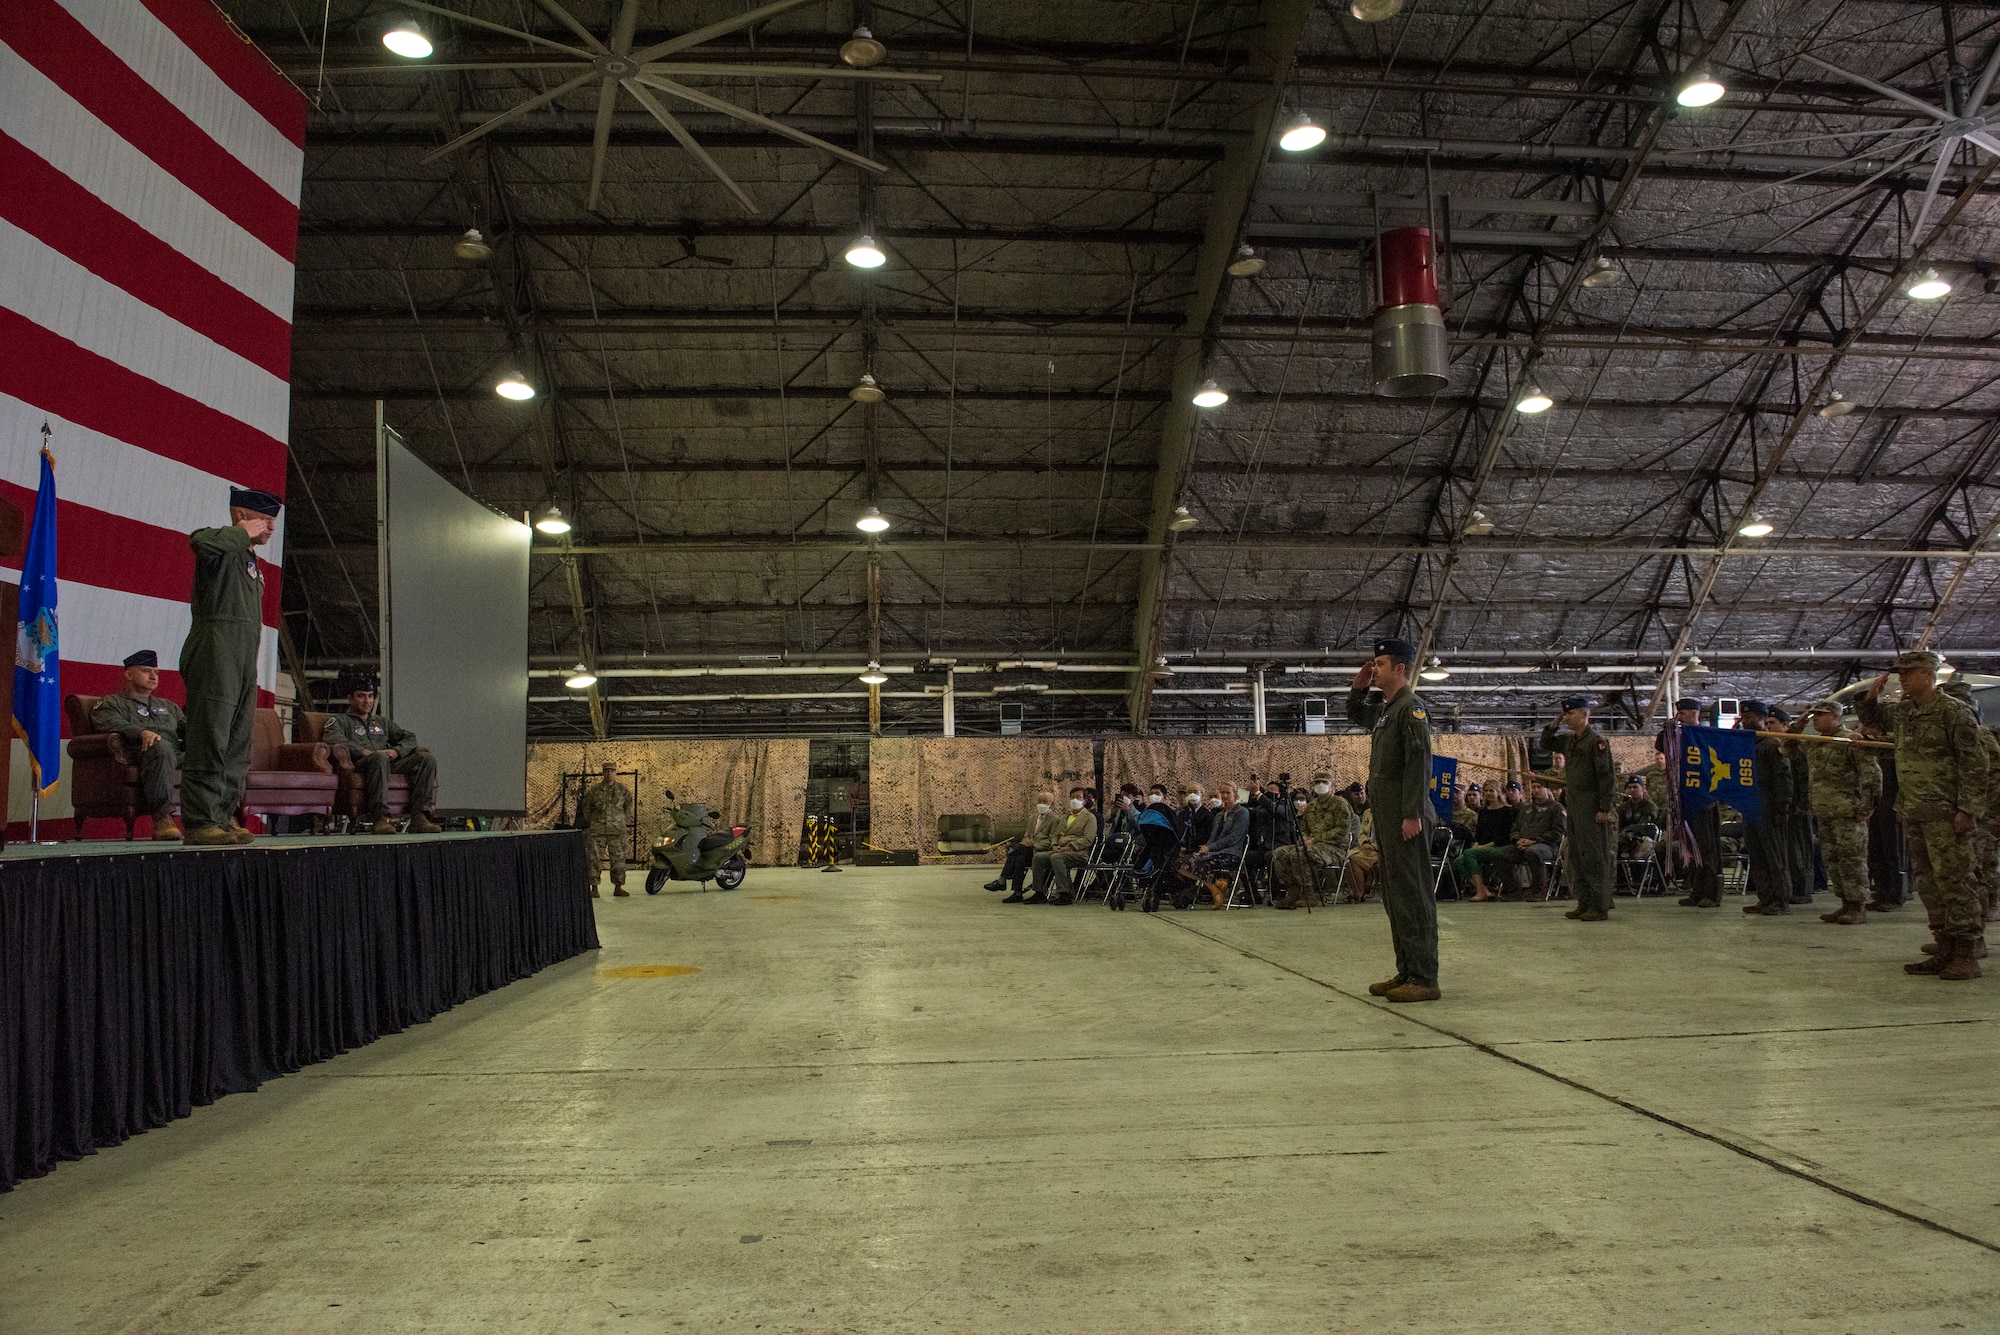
[
  {"x": 287, "y": 778},
  {"x": 311, "y": 727}
]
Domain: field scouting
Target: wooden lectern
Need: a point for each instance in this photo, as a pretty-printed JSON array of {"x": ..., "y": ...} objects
[{"x": 13, "y": 543}]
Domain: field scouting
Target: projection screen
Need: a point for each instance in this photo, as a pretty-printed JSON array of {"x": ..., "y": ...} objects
[{"x": 454, "y": 598}]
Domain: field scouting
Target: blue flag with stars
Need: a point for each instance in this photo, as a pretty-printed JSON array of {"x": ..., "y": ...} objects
[
  {"x": 1718, "y": 765},
  {"x": 37, "y": 661}
]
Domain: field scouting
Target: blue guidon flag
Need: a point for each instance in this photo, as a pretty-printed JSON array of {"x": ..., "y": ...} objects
[
  {"x": 37, "y": 662},
  {"x": 1444, "y": 778},
  {"x": 1718, "y": 765}
]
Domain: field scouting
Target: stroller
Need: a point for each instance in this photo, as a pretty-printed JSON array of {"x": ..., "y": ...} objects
[{"x": 1160, "y": 867}]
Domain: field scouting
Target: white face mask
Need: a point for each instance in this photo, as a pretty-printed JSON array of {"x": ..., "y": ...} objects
[
  {"x": 1242, "y": 794},
  {"x": 1076, "y": 804},
  {"x": 1156, "y": 797},
  {"x": 1194, "y": 799},
  {"x": 1298, "y": 806},
  {"x": 1214, "y": 801},
  {"x": 1322, "y": 788},
  {"x": 1042, "y": 808}
]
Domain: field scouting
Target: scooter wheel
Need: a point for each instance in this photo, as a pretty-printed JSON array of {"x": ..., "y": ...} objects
[
  {"x": 731, "y": 873},
  {"x": 655, "y": 879}
]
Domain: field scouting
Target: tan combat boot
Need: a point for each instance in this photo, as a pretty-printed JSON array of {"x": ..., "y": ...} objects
[
  {"x": 1412, "y": 992},
  {"x": 1218, "y": 890},
  {"x": 1963, "y": 962},
  {"x": 1849, "y": 914},
  {"x": 1385, "y": 987},
  {"x": 165, "y": 827},
  {"x": 421, "y": 823},
  {"x": 208, "y": 836},
  {"x": 1939, "y": 951},
  {"x": 383, "y": 825}
]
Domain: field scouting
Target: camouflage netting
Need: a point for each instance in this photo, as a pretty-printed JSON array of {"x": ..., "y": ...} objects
[
  {"x": 761, "y": 785},
  {"x": 914, "y": 780}
]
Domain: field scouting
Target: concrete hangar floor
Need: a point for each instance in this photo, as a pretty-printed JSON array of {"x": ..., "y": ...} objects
[{"x": 880, "y": 1101}]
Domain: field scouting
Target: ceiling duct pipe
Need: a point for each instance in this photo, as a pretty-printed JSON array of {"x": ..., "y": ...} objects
[{"x": 1409, "y": 337}]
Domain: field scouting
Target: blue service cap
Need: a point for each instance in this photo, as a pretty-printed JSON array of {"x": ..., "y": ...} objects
[
  {"x": 1755, "y": 707},
  {"x": 1687, "y": 702},
  {"x": 144, "y": 658},
  {"x": 1401, "y": 651},
  {"x": 1575, "y": 702},
  {"x": 249, "y": 498}
]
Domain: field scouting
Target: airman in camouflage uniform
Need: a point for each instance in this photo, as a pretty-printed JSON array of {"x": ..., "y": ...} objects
[
  {"x": 606, "y": 812},
  {"x": 1846, "y": 784},
  {"x": 1985, "y": 847},
  {"x": 1942, "y": 773},
  {"x": 1326, "y": 830},
  {"x": 1399, "y": 777},
  {"x": 1590, "y": 794}
]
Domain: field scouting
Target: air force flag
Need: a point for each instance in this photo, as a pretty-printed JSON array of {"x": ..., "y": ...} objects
[
  {"x": 37, "y": 662},
  {"x": 1718, "y": 765}
]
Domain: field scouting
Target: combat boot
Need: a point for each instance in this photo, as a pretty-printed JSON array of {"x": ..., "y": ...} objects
[
  {"x": 1412, "y": 992},
  {"x": 1882, "y": 906},
  {"x": 1385, "y": 987},
  {"x": 208, "y": 836},
  {"x": 1963, "y": 963},
  {"x": 1593, "y": 915},
  {"x": 1218, "y": 890},
  {"x": 421, "y": 823},
  {"x": 383, "y": 825},
  {"x": 1692, "y": 902},
  {"x": 1849, "y": 914},
  {"x": 1940, "y": 954},
  {"x": 164, "y": 829},
  {"x": 1574, "y": 914},
  {"x": 621, "y": 892}
]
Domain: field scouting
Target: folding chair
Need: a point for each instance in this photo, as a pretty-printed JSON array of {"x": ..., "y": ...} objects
[
  {"x": 1444, "y": 868},
  {"x": 1327, "y": 879},
  {"x": 1241, "y": 884},
  {"x": 1552, "y": 870},
  {"x": 1110, "y": 861}
]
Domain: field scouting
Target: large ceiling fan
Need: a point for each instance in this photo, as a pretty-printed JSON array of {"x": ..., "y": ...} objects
[
  {"x": 612, "y": 64},
  {"x": 1971, "y": 128}
]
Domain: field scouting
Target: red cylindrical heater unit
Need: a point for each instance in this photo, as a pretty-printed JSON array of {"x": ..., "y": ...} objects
[{"x": 1408, "y": 343}]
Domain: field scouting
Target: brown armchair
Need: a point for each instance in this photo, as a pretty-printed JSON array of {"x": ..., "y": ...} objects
[
  {"x": 352, "y": 790},
  {"x": 286, "y": 778},
  {"x": 103, "y": 781}
]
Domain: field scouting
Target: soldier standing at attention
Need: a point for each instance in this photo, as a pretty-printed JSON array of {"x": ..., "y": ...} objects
[
  {"x": 1985, "y": 871},
  {"x": 219, "y": 664},
  {"x": 150, "y": 728},
  {"x": 1765, "y": 838},
  {"x": 1798, "y": 831},
  {"x": 1326, "y": 828},
  {"x": 1590, "y": 794},
  {"x": 1846, "y": 784},
  {"x": 379, "y": 748},
  {"x": 1941, "y": 775},
  {"x": 605, "y": 809},
  {"x": 1399, "y": 777}
]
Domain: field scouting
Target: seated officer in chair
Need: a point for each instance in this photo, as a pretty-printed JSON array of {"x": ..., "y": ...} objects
[
  {"x": 378, "y": 749},
  {"x": 151, "y": 729}
]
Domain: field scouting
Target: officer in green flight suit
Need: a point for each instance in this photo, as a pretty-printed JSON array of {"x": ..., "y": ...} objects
[
  {"x": 219, "y": 664},
  {"x": 1399, "y": 777}
]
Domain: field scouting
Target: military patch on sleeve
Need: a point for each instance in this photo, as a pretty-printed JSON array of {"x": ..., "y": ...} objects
[
  {"x": 1603, "y": 745},
  {"x": 1415, "y": 712}
]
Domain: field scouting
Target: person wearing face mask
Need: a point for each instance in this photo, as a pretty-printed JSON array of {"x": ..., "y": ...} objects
[
  {"x": 1195, "y": 820},
  {"x": 1215, "y": 861},
  {"x": 1069, "y": 846},
  {"x": 1326, "y": 831},
  {"x": 1033, "y": 843}
]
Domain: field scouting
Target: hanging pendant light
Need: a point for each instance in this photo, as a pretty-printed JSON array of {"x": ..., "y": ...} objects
[
  {"x": 872, "y": 521},
  {"x": 1758, "y": 527},
  {"x": 552, "y": 521},
  {"x": 513, "y": 385},
  {"x": 1210, "y": 395},
  {"x": 581, "y": 678},
  {"x": 874, "y": 675},
  {"x": 1435, "y": 670},
  {"x": 1603, "y": 273},
  {"x": 472, "y": 246},
  {"x": 866, "y": 390},
  {"x": 1929, "y": 285},
  {"x": 1247, "y": 264},
  {"x": 1836, "y": 405},
  {"x": 862, "y": 50},
  {"x": 863, "y": 253},
  {"x": 405, "y": 38},
  {"x": 1534, "y": 401},
  {"x": 1301, "y": 134},
  {"x": 1702, "y": 89},
  {"x": 1182, "y": 521}
]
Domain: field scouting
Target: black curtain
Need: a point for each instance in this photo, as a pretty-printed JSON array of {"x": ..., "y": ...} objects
[{"x": 135, "y": 986}]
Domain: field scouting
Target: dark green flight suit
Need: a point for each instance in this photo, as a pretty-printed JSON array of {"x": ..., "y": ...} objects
[
  {"x": 366, "y": 740},
  {"x": 158, "y": 764},
  {"x": 219, "y": 665},
  {"x": 1799, "y": 832},
  {"x": 1399, "y": 776},
  {"x": 1769, "y": 839},
  {"x": 1590, "y": 786}
]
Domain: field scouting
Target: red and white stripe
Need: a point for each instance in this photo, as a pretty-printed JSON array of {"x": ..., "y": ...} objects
[{"x": 150, "y": 163}]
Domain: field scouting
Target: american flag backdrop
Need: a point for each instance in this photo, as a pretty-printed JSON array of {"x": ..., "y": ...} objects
[{"x": 150, "y": 161}]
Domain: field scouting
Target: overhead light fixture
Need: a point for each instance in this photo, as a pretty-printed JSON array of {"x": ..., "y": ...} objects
[
  {"x": 1701, "y": 90},
  {"x": 1478, "y": 525},
  {"x": 1210, "y": 395},
  {"x": 1534, "y": 401},
  {"x": 581, "y": 678},
  {"x": 1434, "y": 670},
  {"x": 1836, "y": 405},
  {"x": 552, "y": 521},
  {"x": 1182, "y": 521},
  {"x": 1928, "y": 286},
  {"x": 1694, "y": 666},
  {"x": 403, "y": 37},
  {"x": 862, "y": 50},
  {"x": 1603, "y": 273},
  {"x": 472, "y": 246},
  {"x": 874, "y": 675},
  {"x": 1301, "y": 134},
  {"x": 863, "y": 253},
  {"x": 1247, "y": 264},
  {"x": 866, "y": 390},
  {"x": 1758, "y": 527},
  {"x": 1374, "y": 11},
  {"x": 872, "y": 521},
  {"x": 513, "y": 385}
]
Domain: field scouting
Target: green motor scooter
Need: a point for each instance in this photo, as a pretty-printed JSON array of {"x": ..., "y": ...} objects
[{"x": 692, "y": 851}]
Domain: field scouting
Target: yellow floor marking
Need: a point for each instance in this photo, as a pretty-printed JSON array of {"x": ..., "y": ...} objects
[{"x": 649, "y": 971}]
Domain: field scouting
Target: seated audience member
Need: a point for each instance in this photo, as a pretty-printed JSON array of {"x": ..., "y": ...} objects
[
  {"x": 1193, "y": 819},
  {"x": 1492, "y": 836},
  {"x": 379, "y": 748},
  {"x": 1638, "y": 821},
  {"x": 1364, "y": 863},
  {"x": 1124, "y": 817},
  {"x": 150, "y": 727},
  {"x": 1466, "y": 801},
  {"x": 1228, "y": 840},
  {"x": 1538, "y": 830},
  {"x": 1069, "y": 847},
  {"x": 1325, "y": 831},
  {"x": 1034, "y": 840},
  {"x": 1156, "y": 800},
  {"x": 1514, "y": 793}
]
